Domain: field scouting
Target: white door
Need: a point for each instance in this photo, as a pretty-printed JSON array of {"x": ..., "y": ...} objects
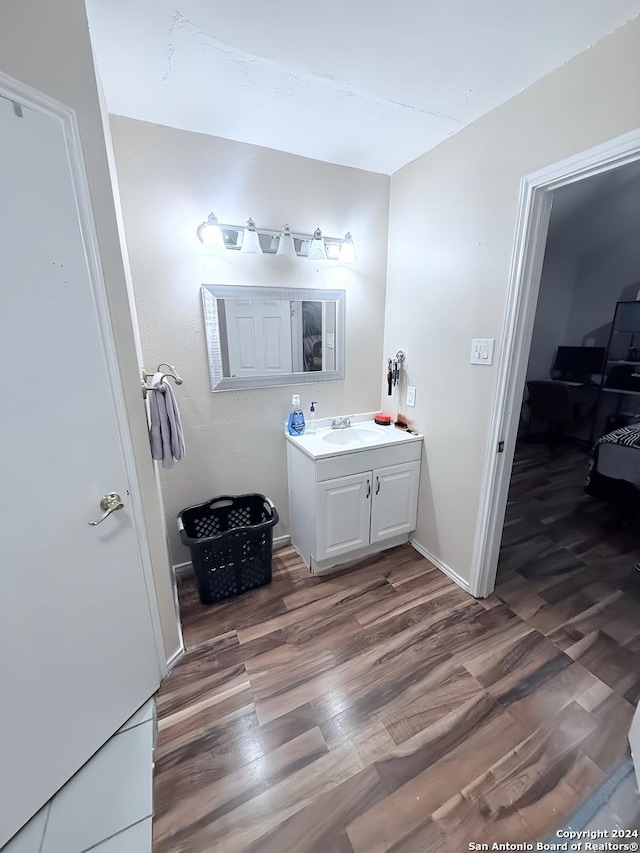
[
  {"x": 395, "y": 500},
  {"x": 259, "y": 336},
  {"x": 77, "y": 645},
  {"x": 344, "y": 509}
]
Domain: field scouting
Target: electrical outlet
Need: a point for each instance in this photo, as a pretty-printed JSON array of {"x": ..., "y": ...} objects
[{"x": 411, "y": 395}]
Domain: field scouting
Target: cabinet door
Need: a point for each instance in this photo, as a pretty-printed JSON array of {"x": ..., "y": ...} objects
[
  {"x": 344, "y": 510},
  {"x": 395, "y": 500}
]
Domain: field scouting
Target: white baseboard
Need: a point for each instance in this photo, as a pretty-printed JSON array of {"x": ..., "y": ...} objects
[
  {"x": 175, "y": 657},
  {"x": 183, "y": 569},
  {"x": 345, "y": 561},
  {"x": 455, "y": 577}
]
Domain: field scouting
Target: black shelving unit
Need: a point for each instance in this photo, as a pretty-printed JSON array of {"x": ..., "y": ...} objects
[{"x": 621, "y": 371}]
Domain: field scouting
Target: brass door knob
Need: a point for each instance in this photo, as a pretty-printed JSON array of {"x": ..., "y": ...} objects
[{"x": 108, "y": 504}]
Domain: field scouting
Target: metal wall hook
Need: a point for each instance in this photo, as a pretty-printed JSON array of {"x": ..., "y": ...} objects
[{"x": 393, "y": 370}]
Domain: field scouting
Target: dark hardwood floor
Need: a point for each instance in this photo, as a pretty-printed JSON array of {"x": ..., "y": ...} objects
[{"x": 384, "y": 709}]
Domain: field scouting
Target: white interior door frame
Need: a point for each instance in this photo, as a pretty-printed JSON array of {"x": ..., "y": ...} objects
[
  {"x": 532, "y": 223},
  {"x": 24, "y": 95}
]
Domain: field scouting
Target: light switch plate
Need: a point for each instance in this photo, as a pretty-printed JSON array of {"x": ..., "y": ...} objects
[
  {"x": 411, "y": 395},
  {"x": 330, "y": 340},
  {"x": 482, "y": 350}
]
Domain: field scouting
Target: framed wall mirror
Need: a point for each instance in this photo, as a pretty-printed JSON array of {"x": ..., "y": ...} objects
[{"x": 259, "y": 337}]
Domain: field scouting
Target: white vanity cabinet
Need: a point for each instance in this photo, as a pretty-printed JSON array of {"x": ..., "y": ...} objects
[
  {"x": 394, "y": 501},
  {"x": 364, "y": 509},
  {"x": 343, "y": 515},
  {"x": 350, "y": 504}
]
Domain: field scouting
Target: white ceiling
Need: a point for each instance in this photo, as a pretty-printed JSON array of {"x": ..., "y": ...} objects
[{"x": 365, "y": 83}]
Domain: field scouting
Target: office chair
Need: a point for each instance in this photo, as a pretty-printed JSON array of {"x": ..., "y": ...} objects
[{"x": 551, "y": 402}]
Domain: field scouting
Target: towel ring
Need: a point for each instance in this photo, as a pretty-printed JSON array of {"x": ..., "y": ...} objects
[
  {"x": 173, "y": 376},
  {"x": 160, "y": 385},
  {"x": 173, "y": 372}
]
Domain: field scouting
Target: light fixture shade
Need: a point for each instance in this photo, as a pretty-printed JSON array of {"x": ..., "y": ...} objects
[
  {"x": 317, "y": 248},
  {"x": 333, "y": 249},
  {"x": 210, "y": 233},
  {"x": 251, "y": 240},
  {"x": 348, "y": 250},
  {"x": 286, "y": 245}
]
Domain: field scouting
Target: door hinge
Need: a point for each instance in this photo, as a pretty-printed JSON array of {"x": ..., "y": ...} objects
[{"x": 501, "y": 447}]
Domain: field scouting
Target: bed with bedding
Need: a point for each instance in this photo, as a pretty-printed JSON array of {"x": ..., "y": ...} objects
[{"x": 614, "y": 469}]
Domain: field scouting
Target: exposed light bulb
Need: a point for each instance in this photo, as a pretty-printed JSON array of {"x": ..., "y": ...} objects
[
  {"x": 251, "y": 240},
  {"x": 348, "y": 250},
  {"x": 210, "y": 233},
  {"x": 286, "y": 245},
  {"x": 317, "y": 248}
]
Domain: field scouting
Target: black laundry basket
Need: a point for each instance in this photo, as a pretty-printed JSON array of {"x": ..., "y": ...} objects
[{"x": 231, "y": 539}]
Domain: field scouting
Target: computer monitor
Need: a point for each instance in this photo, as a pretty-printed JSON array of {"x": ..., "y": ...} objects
[{"x": 579, "y": 363}]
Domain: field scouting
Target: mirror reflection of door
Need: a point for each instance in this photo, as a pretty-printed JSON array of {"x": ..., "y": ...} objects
[
  {"x": 258, "y": 336},
  {"x": 307, "y": 323},
  {"x": 312, "y": 335}
]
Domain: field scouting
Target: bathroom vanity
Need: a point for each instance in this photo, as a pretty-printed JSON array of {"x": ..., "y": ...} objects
[{"x": 352, "y": 491}]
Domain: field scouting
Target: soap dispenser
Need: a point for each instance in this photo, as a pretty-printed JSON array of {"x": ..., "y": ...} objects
[
  {"x": 311, "y": 426},
  {"x": 295, "y": 424}
]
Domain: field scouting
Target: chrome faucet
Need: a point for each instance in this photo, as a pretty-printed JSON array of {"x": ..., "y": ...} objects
[{"x": 340, "y": 423}]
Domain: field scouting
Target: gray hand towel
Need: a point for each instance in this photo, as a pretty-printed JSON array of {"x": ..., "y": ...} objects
[
  {"x": 165, "y": 429},
  {"x": 155, "y": 432},
  {"x": 175, "y": 423}
]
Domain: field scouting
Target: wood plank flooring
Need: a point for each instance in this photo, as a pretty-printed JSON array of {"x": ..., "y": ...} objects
[{"x": 384, "y": 709}]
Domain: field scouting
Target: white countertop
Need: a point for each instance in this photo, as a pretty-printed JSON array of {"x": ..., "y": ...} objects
[{"x": 364, "y": 434}]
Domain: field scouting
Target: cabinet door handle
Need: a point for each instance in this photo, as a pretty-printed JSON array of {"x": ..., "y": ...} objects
[
  {"x": 377, "y": 485},
  {"x": 368, "y": 488}
]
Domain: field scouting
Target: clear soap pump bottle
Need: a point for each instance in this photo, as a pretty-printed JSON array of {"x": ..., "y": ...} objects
[
  {"x": 311, "y": 424},
  {"x": 295, "y": 423}
]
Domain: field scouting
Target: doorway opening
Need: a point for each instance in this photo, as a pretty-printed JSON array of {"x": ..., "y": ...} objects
[
  {"x": 571, "y": 537},
  {"x": 604, "y": 163}
]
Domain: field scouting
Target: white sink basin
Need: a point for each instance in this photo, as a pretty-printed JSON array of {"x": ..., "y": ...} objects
[
  {"x": 363, "y": 435},
  {"x": 357, "y": 436}
]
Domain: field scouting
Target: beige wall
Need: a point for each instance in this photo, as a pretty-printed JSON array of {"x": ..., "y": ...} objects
[
  {"x": 452, "y": 219},
  {"x": 47, "y": 46},
  {"x": 169, "y": 181}
]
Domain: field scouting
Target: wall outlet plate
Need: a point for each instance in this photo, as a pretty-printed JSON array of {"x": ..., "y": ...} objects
[
  {"x": 411, "y": 395},
  {"x": 482, "y": 350}
]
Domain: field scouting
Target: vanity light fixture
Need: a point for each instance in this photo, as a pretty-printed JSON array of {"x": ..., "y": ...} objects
[
  {"x": 348, "y": 250},
  {"x": 333, "y": 250},
  {"x": 318, "y": 248},
  {"x": 287, "y": 243},
  {"x": 251, "y": 240},
  {"x": 210, "y": 233}
]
